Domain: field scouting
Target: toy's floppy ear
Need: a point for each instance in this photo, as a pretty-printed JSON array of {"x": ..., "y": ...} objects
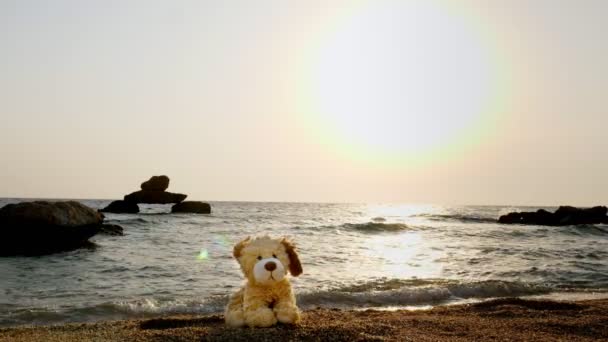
[
  {"x": 239, "y": 247},
  {"x": 295, "y": 267}
]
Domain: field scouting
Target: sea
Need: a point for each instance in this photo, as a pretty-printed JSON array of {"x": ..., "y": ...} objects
[{"x": 354, "y": 256}]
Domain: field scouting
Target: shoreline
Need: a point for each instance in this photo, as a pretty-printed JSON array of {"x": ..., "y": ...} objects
[{"x": 499, "y": 319}]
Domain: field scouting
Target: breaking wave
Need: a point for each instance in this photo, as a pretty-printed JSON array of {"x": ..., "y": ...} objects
[
  {"x": 366, "y": 227},
  {"x": 415, "y": 292},
  {"x": 458, "y": 218},
  {"x": 143, "y": 308},
  {"x": 378, "y": 293},
  {"x": 127, "y": 221},
  {"x": 376, "y": 227}
]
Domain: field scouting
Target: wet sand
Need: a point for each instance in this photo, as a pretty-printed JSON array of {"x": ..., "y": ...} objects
[{"x": 503, "y": 319}]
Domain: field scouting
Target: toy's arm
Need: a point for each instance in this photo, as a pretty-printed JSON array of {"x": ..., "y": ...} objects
[
  {"x": 256, "y": 310},
  {"x": 234, "y": 310},
  {"x": 285, "y": 308}
]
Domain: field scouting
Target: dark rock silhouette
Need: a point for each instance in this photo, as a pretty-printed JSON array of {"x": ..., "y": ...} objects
[
  {"x": 194, "y": 207},
  {"x": 154, "y": 197},
  {"x": 564, "y": 216},
  {"x": 41, "y": 227},
  {"x": 153, "y": 192},
  {"x": 156, "y": 183},
  {"x": 111, "y": 229},
  {"x": 121, "y": 207}
]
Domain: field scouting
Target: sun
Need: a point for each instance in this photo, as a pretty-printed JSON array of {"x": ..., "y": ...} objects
[{"x": 400, "y": 77}]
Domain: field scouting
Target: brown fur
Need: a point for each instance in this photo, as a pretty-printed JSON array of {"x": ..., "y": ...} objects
[
  {"x": 262, "y": 305},
  {"x": 295, "y": 267},
  {"x": 236, "y": 252}
]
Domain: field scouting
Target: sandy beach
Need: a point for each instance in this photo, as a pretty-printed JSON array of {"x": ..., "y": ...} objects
[{"x": 503, "y": 319}]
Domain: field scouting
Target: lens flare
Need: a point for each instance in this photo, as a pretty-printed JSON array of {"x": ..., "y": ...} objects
[
  {"x": 203, "y": 255},
  {"x": 219, "y": 245},
  {"x": 221, "y": 240}
]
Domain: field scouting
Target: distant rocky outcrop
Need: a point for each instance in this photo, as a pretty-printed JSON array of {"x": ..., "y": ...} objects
[
  {"x": 121, "y": 207},
  {"x": 564, "y": 216},
  {"x": 153, "y": 191},
  {"x": 194, "y": 207},
  {"x": 41, "y": 227},
  {"x": 156, "y": 183},
  {"x": 154, "y": 197}
]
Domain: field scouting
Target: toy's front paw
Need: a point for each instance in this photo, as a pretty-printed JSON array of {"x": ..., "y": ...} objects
[
  {"x": 288, "y": 315},
  {"x": 235, "y": 319},
  {"x": 262, "y": 317}
]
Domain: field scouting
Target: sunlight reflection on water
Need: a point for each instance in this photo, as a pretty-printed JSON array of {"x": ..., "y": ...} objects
[{"x": 406, "y": 255}]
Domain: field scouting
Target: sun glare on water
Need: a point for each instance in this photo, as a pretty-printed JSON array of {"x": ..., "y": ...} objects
[{"x": 400, "y": 78}]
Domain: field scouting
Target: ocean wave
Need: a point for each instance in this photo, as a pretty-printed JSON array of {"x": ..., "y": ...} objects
[
  {"x": 140, "y": 308},
  {"x": 377, "y": 293},
  {"x": 128, "y": 221},
  {"x": 591, "y": 229},
  {"x": 369, "y": 227},
  {"x": 456, "y": 217},
  {"x": 415, "y": 292},
  {"x": 376, "y": 227}
]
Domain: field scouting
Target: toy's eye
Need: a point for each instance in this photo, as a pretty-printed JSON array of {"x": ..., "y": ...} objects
[
  {"x": 259, "y": 257},
  {"x": 274, "y": 256}
]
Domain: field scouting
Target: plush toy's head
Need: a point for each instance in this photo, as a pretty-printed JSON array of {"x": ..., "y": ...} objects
[{"x": 265, "y": 260}]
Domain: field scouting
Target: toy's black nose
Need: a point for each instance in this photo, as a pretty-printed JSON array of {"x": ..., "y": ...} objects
[{"x": 270, "y": 266}]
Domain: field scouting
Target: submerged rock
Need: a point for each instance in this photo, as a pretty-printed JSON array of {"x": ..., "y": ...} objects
[
  {"x": 111, "y": 229},
  {"x": 41, "y": 227},
  {"x": 154, "y": 197},
  {"x": 194, "y": 207},
  {"x": 156, "y": 183},
  {"x": 119, "y": 207},
  {"x": 564, "y": 216}
]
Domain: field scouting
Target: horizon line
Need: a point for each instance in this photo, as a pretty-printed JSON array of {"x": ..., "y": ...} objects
[{"x": 319, "y": 202}]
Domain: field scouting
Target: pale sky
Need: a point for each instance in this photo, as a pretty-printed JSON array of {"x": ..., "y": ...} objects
[{"x": 455, "y": 102}]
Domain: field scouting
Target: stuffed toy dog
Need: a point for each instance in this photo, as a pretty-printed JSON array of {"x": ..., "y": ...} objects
[{"x": 266, "y": 297}]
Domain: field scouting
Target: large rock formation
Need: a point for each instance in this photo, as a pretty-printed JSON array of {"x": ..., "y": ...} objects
[
  {"x": 154, "y": 197},
  {"x": 153, "y": 192},
  {"x": 121, "y": 207},
  {"x": 564, "y": 216},
  {"x": 194, "y": 207},
  {"x": 156, "y": 183},
  {"x": 41, "y": 227}
]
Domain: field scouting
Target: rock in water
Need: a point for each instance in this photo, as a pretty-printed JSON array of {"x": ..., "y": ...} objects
[
  {"x": 156, "y": 183},
  {"x": 68, "y": 214},
  {"x": 194, "y": 207},
  {"x": 154, "y": 197},
  {"x": 41, "y": 227},
  {"x": 564, "y": 216},
  {"x": 111, "y": 229},
  {"x": 567, "y": 215},
  {"x": 119, "y": 207}
]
